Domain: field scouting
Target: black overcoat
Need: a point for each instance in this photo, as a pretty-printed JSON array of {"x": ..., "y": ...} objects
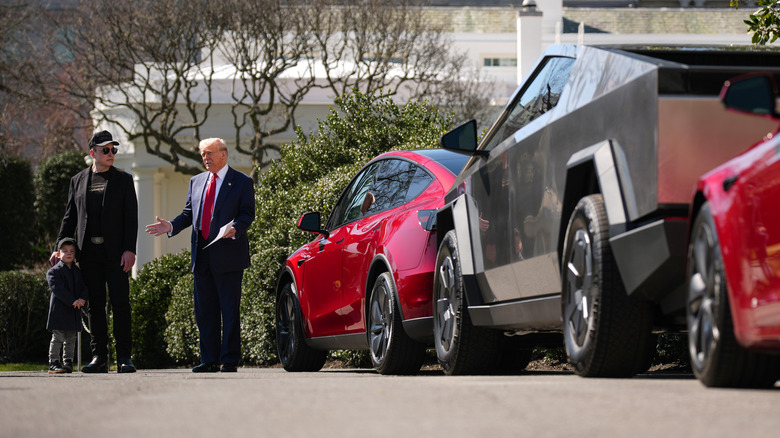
[{"x": 66, "y": 286}]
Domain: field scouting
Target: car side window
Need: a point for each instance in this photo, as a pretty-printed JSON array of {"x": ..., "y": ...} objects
[
  {"x": 540, "y": 96},
  {"x": 349, "y": 206},
  {"x": 420, "y": 182},
  {"x": 391, "y": 185}
]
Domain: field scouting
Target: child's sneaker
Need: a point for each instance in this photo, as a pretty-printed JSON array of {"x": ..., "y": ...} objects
[
  {"x": 67, "y": 365},
  {"x": 56, "y": 368}
]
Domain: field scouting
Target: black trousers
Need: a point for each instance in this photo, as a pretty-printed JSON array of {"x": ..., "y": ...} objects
[{"x": 102, "y": 275}]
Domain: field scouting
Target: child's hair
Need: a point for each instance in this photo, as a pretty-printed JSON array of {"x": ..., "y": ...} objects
[{"x": 66, "y": 241}]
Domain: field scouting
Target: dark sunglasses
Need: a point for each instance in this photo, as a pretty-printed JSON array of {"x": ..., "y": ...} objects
[{"x": 106, "y": 150}]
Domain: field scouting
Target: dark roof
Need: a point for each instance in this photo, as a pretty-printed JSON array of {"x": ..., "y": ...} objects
[{"x": 453, "y": 161}]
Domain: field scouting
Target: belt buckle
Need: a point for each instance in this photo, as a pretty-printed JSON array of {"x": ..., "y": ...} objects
[{"x": 96, "y": 240}]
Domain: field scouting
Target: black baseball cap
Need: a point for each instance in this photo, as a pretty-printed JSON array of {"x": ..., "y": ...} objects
[
  {"x": 102, "y": 138},
  {"x": 66, "y": 241}
]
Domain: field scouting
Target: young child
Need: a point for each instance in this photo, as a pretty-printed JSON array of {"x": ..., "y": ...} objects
[{"x": 68, "y": 296}]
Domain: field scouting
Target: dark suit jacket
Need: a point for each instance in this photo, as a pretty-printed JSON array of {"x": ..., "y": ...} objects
[
  {"x": 235, "y": 201},
  {"x": 120, "y": 210},
  {"x": 62, "y": 281}
]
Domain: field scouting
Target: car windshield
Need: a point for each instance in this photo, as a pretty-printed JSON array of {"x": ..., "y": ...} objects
[{"x": 539, "y": 96}]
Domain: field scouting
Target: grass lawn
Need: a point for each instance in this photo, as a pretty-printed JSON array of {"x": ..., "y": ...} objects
[{"x": 23, "y": 367}]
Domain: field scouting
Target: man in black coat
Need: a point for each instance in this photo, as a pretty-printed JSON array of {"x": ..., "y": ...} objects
[{"x": 102, "y": 212}]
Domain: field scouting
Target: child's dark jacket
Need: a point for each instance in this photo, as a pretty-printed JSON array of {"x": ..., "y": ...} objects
[{"x": 66, "y": 285}]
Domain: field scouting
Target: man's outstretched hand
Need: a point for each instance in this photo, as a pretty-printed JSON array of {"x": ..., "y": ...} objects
[{"x": 159, "y": 228}]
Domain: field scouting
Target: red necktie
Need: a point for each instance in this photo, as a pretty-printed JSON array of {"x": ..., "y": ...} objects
[{"x": 208, "y": 206}]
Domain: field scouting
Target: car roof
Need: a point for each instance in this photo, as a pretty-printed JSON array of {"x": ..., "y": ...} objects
[{"x": 451, "y": 161}]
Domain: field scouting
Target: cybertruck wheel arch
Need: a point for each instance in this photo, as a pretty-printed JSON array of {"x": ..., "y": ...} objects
[
  {"x": 595, "y": 170},
  {"x": 462, "y": 216}
]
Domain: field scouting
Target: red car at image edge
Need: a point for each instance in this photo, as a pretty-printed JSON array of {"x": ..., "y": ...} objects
[{"x": 733, "y": 309}]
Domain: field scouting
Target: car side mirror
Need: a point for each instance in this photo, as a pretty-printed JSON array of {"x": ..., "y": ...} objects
[
  {"x": 310, "y": 222},
  {"x": 462, "y": 139},
  {"x": 754, "y": 93}
]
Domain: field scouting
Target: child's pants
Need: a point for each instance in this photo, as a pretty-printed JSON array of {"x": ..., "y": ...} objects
[{"x": 65, "y": 341}]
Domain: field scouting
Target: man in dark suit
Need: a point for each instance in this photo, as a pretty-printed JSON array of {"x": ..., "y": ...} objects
[
  {"x": 102, "y": 212},
  {"x": 218, "y": 262}
]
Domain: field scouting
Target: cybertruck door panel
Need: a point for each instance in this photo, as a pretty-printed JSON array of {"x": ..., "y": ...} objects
[{"x": 517, "y": 193}]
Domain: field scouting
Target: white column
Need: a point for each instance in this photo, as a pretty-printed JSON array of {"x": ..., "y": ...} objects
[
  {"x": 529, "y": 38},
  {"x": 144, "y": 178},
  {"x": 160, "y": 201}
]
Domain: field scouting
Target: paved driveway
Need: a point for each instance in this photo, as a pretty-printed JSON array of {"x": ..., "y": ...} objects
[{"x": 360, "y": 403}]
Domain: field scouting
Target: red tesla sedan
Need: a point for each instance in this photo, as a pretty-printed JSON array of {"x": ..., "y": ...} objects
[
  {"x": 733, "y": 307},
  {"x": 365, "y": 281}
]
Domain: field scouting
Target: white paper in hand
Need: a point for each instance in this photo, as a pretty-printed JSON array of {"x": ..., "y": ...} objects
[{"x": 221, "y": 233}]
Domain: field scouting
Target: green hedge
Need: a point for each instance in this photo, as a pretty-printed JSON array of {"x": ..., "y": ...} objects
[
  {"x": 17, "y": 219},
  {"x": 181, "y": 334},
  {"x": 51, "y": 182},
  {"x": 24, "y": 307},
  {"x": 150, "y": 297}
]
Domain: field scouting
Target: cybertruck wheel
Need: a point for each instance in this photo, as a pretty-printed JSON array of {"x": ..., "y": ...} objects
[
  {"x": 606, "y": 332},
  {"x": 461, "y": 348}
]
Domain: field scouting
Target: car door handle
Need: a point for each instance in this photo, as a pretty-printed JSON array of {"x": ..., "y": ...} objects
[
  {"x": 342, "y": 239},
  {"x": 728, "y": 182}
]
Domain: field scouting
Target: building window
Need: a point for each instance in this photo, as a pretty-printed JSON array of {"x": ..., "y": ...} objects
[
  {"x": 393, "y": 59},
  {"x": 500, "y": 62}
]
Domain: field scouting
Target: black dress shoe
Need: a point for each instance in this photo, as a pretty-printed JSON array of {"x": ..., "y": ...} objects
[
  {"x": 125, "y": 366},
  {"x": 229, "y": 368},
  {"x": 206, "y": 368},
  {"x": 99, "y": 364}
]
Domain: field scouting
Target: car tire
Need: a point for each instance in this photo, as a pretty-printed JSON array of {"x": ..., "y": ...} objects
[
  {"x": 606, "y": 332},
  {"x": 391, "y": 350},
  {"x": 291, "y": 346},
  {"x": 717, "y": 358},
  {"x": 461, "y": 348}
]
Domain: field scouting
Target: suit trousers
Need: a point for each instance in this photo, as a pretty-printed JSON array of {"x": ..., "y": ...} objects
[
  {"x": 98, "y": 273},
  {"x": 217, "y": 306}
]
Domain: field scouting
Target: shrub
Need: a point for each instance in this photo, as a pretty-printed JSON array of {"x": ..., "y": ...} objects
[
  {"x": 672, "y": 348},
  {"x": 24, "y": 307},
  {"x": 16, "y": 205},
  {"x": 150, "y": 296},
  {"x": 258, "y": 336},
  {"x": 51, "y": 182},
  {"x": 310, "y": 176},
  {"x": 181, "y": 334}
]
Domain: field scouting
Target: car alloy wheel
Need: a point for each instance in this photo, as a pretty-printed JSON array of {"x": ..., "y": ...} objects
[
  {"x": 580, "y": 285},
  {"x": 392, "y": 351},
  {"x": 381, "y": 321},
  {"x": 291, "y": 346},
  {"x": 717, "y": 358}
]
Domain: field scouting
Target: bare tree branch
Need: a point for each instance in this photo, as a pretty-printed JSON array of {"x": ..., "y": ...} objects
[{"x": 154, "y": 67}]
